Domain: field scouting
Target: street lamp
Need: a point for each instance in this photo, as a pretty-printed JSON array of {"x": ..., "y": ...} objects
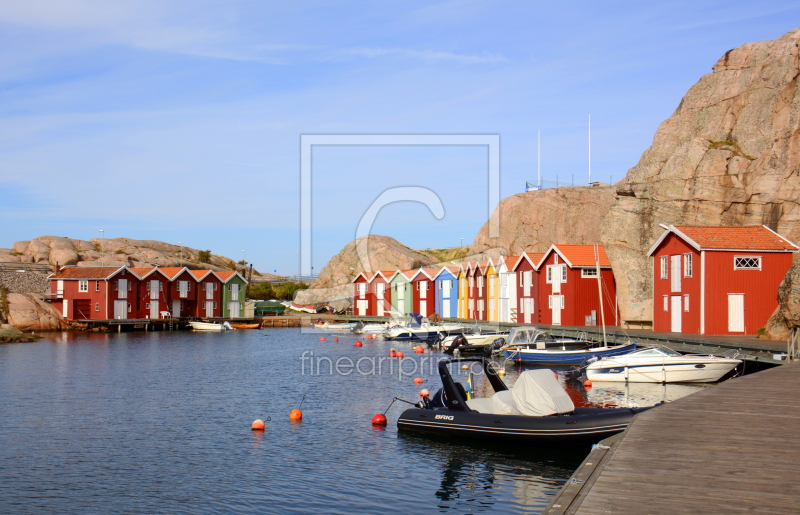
[
  {"x": 103, "y": 248},
  {"x": 462, "y": 242},
  {"x": 180, "y": 252}
]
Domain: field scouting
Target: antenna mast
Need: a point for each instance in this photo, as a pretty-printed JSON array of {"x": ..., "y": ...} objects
[{"x": 590, "y": 150}]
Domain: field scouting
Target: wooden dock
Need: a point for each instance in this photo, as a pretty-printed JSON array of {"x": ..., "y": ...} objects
[{"x": 733, "y": 448}]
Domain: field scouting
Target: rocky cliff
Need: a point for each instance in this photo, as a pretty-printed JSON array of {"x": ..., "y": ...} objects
[
  {"x": 534, "y": 220},
  {"x": 369, "y": 253},
  {"x": 729, "y": 155}
]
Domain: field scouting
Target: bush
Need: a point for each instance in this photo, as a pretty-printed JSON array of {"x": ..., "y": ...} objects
[
  {"x": 204, "y": 256},
  {"x": 282, "y": 291}
]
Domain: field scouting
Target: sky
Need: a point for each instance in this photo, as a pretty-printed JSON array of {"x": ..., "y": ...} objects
[{"x": 181, "y": 121}]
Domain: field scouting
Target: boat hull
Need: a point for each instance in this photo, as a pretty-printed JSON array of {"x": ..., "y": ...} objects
[
  {"x": 567, "y": 357},
  {"x": 207, "y": 326},
  {"x": 700, "y": 371},
  {"x": 584, "y": 426}
]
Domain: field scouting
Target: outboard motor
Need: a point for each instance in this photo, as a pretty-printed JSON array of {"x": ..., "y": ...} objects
[
  {"x": 457, "y": 342},
  {"x": 496, "y": 344}
]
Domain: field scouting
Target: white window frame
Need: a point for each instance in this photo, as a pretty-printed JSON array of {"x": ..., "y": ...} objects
[
  {"x": 686, "y": 303},
  {"x": 97, "y": 286},
  {"x": 563, "y": 273},
  {"x": 549, "y": 278},
  {"x": 589, "y": 273},
  {"x": 737, "y": 266},
  {"x": 687, "y": 264},
  {"x": 147, "y": 305},
  {"x": 666, "y": 303},
  {"x": 665, "y": 267},
  {"x": 97, "y": 307},
  {"x": 83, "y": 286}
]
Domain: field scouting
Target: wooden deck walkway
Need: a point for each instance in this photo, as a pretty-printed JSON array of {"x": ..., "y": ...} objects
[{"x": 732, "y": 448}]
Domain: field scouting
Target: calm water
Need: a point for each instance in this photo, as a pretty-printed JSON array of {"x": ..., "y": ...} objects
[{"x": 160, "y": 423}]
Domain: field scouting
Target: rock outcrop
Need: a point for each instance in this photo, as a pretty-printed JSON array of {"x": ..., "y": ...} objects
[
  {"x": 28, "y": 312},
  {"x": 10, "y": 334},
  {"x": 534, "y": 220},
  {"x": 787, "y": 315},
  {"x": 369, "y": 253},
  {"x": 112, "y": 252},
  {"x": 729, "y": 155}
]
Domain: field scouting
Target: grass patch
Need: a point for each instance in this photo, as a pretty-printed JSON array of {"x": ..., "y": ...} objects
[{"x": 447, "y": 254}]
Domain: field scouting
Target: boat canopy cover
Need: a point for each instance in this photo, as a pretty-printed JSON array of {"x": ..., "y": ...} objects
[
  {"x": 536, "y": 393},
  {"x": 415, "y": 320}
]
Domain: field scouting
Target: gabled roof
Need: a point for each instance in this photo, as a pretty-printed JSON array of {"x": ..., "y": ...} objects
[
  {"x": 87, "y": 272},
  {"x": 452, "y": 270},
  {"x": 745, "y": 238},
  {"x": 581, "y": 256},
  {"x": 171, "y": 272},
  {"x": 368, "y": 276},
  {"x": 227, "y": 276},
  {"x": 142, "y": 272},
  {"x": 386, "y": 274},
  {"x": 199, "y": 275},
  {"x": 534, "y": 258},
  {"x": 430, "y": 273}
]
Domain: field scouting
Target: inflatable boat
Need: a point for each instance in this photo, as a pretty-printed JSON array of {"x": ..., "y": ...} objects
[{"x": 535, "y": 410}]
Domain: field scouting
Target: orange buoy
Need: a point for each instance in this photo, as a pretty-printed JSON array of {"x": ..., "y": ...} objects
[
  {"x": 379, "y": 420},
  {"x": 322, "y": 338},
  {"x": 587, "y": 383},
  {"x": 424, "y": 392},
  {"x": 336, "y": 339},
  {"x": 296, "y": 415},
  {"x": 258, "y": 425},
  {"x": 370, "y": 337},
  {"x": 464, "y": 367},
  {"x": 417, "y": 380},
  {"x": 399, "y": 354},
  {"x": 392, "y": 354},
  {"x": 358, "y": 344},
  {"x": 419, "y": 350}
]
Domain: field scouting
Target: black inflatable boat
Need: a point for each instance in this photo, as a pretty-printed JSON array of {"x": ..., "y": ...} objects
[{"x": 535, "y": 410}]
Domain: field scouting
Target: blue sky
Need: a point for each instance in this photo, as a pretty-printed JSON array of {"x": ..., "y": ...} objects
[{"x": 181, "y": 121}]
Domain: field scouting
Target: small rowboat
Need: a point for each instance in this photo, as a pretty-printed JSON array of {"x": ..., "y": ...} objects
[
  {"x": 210, "y": 326},
  {"x": 245, "y": 326}
]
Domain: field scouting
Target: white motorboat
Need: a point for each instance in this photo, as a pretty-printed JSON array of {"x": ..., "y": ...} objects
[
  {"x": 336, "y": 326},
  {"x": 420, "y": 329},
  {"x": 661, "y": 365},
  {"x": 210, "y": 326},
  {"x": 371, "y": 328}
]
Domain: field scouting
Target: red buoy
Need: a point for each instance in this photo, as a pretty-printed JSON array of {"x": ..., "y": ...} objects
[
  {"x": 392, "y": 354},
  {"x": 358, "y": 344},
  {"x": 419, "y": 350},
  {"x": 296, "y": 415},
  {"x": 369, "y": 337},
  {"x": 379, "y": 420},
  {"x": 417, "y": 380},
  {"x": 258, "y": 425},
  {"x": 322, "y": 338},
  {"x": 399, "y": 354},
  {"x": 336, "y": 339},
  {"x": 424, "y": 392}
]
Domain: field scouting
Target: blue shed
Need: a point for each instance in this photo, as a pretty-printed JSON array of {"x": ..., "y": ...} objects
[{"x": 447, "y": 292}]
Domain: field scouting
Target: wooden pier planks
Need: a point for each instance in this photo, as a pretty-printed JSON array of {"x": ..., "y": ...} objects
[{"x": 728, "y": 449}]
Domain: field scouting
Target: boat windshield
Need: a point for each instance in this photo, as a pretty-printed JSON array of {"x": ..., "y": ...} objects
[
  {"x": 526, "y": 335},
  {"x": 658, "y": 351}
]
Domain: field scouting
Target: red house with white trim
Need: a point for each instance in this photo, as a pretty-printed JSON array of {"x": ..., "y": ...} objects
[
  {"x": 424, "y": 291},
  {"x": 717, "y": 280},
  {"x": 362, "y": 297},
  {"x": 526, "y": 269},
  {"x": 381, "y": 304},
  {"x": 208, "y": 302},
  {"x": 94, "y": 293},
  {"x": 568, "y": 286}
]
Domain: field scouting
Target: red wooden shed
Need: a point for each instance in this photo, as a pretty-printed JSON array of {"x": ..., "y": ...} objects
[
  {"x": 568, "y": 286},
  {"x": 424, "y": 292},
  {"x": 717, "y": 280},
  {"x": 94, "y": 293},
  {"x": 527, "y": 285}
]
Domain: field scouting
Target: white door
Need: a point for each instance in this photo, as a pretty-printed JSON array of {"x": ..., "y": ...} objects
[
  {"x": 176, "y": 308},
  {"x": 504, "y": 310},
  {"x": 209, "y": 290},
  {"x": 556, "y": 305},
  {"x": 209, "y": 308},
  {"x": 423, "y": 307},
  {"x": 60, "y": 289},
  {"x": 233, "y": 308},
  {"x": 676, "y": 313},
  {"x": 362, "y": 307},
  {"x": 527, "y": 310},
  {"x": 423, "y": 290},
  {"x": 446, "y": 308},
  {"x": 65, "y": 309},
  {"x": 120, "y": 309},
  {"x": 380, "y": 306},
  {"x": 380, "y": 290},
  {"x": 154, "y": 308},
  {"x": 527, "y": 281},
  {"x": 235, "y": 292},
  {"x": 736, "y": 312},
  {"x": 122, "y": 290},
  {"x": 675, "y": 270}
]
